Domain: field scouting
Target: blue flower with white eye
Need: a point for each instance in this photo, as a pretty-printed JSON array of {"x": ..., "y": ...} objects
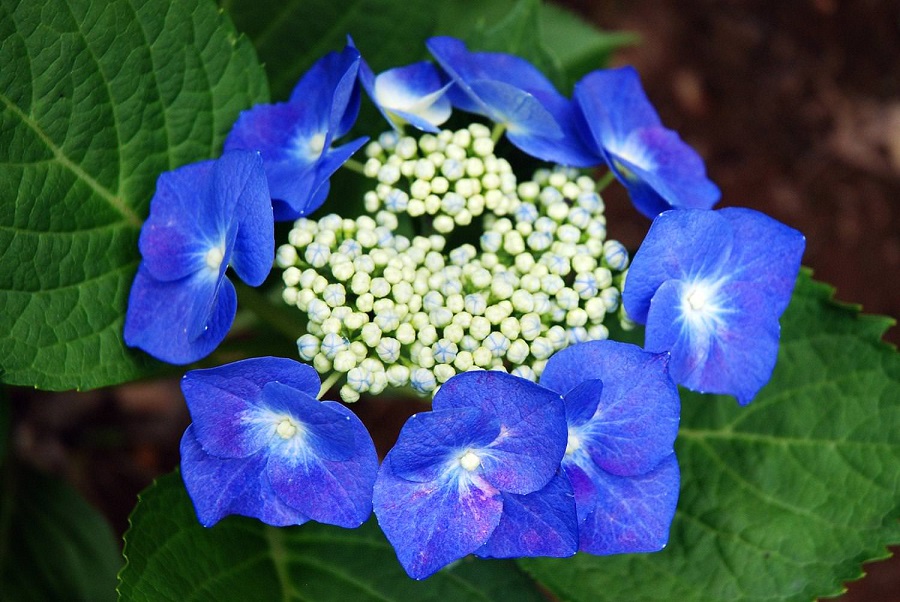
[
  {"x": 203, "y": 217},
  {"x": 622, "y": 412},
  {"x": 295, "y": 138},
  {"x": 261, "y": 445},
  {"x": 478, "y": 474},
  {"x": 711, "y": 286},
  {"x": 511, "y": 91},
  {"x": 659, "y": 170},
  {"x": 411, "y": 94}
]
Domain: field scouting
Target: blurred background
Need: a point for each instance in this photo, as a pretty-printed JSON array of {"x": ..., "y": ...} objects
[{"x": 794, "y": 105}]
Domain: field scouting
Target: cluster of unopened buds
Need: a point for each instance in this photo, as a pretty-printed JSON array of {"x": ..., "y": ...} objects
[
  {"x": 466, "y": 283},
  {"x": 392, "y": 310}
]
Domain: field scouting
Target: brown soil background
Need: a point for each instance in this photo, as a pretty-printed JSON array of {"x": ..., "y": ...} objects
[{"x": 796, "y": 107}]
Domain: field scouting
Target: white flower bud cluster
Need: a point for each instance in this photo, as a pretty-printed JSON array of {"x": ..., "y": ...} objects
[
  {"x": 389, "y": 310},
  {"x": 449, "y": 178}
]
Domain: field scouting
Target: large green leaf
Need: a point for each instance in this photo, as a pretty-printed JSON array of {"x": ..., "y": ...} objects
[
  {"x": 782, "y": 499},
  {"x": 290, "y": 35},
  {"x": 53, "y": 545},
  {"x": 171, "y": 557},
  {"x": 96, "y": 100}
]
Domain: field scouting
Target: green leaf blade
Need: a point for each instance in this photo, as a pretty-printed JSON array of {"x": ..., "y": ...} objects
[
  {"x": 171, "y": 557},
  {"x": 782, "y": 499},
  {"x": 97, "y": 100}
]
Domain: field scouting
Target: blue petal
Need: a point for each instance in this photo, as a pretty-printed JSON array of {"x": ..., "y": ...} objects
[
  {"x": 632, "y": 514},
  {"x": 329, "y": 90},
  {"x": 431, "y": 524},
  {"x": 187, "y": 218},
  {"x": 328, "y": 470},
  {"x": 431, "y": 443},
  {"x": 661, "y": 172},
  {"x": 765, "y": 252},
  {"x": 224, "y": 400},
  {"x": 733, "y": 353},
  {"x": 414, "y": 93},
  {"x": 684, "y": 245},
  {"x": 330, "y": 162},
  {"x": 240, "y": 175},
  {"x": 510, "y": 90},
  {"x": 180, "y": 321},
  {"x": 543, "y": 523},
  {"x": 614, "y": 105},
  {"x": 532, "y": 439},
  {"x": 637, "y": 410},
  {"x": 220, "y": 487}
]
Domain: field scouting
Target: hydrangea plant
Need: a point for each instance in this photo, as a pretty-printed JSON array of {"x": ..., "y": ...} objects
[{"x": 445, "y": 239}]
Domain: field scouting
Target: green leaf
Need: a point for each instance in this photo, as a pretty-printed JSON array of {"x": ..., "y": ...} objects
[
  {"x": 171, "y": 557},
  {"x": 782, "y": 499},
  {"x": 53, "y": 545},
  {"x": 96, "y": 100},
  {"x": 290, "y": 35}
]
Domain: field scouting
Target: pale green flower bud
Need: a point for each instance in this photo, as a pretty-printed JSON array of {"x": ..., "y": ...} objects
[
  {"x": 615, "y": 254},
  {"x": 422, "y": 380},
  {"x": 510, "y": 328},
  {"x": 496, "y": 343},
  {"x": 518, "y": 351},
  {"x": 444, "y": 372},
  {"x": 440, "y": 185},
  {"x": 443, "y": 224},
  {"x": 388, "y": 349},
  {"x": 598, "y": 332},
  {"x": 531, "y": 326},
  {"x": 318, "y": 311},
  {"x": 371, "y": 334},
  {"x": 308, "y": 346},
  {"x": 482, "y": 357},
  {"x": 576, "y": 317},
  {"x": 321, "y": 363},
  {"x": 334, "y": 295},
  {"x": 432, "y": 204},
  {"x": 480, "y": 327},
  {"x": 542, "y": 348},
  {"x": 610, "y": 298},
  {"x": 567, "y": 298},
  {"x": 405, "y": 333},
  {"x": 415, "y": 207},
  {"x": 444, "y": 351},
  {"x": 424, "y": 172},
  {"x": 525, "y": 372},
  {"x": 427, "y": 335},
  {"x": 397, "y": 375},
  {"x": 344, "y": 361}
]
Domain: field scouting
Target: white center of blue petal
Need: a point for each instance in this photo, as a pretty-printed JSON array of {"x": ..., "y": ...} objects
[
  {"x": 470, "y": 461},
  {"x": 573, "y": 443},
  {"x": 286, "y": 428},
  {"x": 317, "y": 144},
  {"x": 214, "y": 258},
  {"x": 698, "y": 302}
]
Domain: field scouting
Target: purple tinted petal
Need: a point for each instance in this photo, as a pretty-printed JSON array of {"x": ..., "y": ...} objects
[
  {"x": 637, "y": 409},
  {"x": 543, "y": 523},
  {"x": 683, "y": 244},
  {"x": 583, "y": 476},
  {"x": 187, "y": 219},
  {"x": 733, "y": 351},
  {"x": 328, "y": 474},
  {"x": 614, "y": 104},
  {"x": 632, "y": 514},
  {"x": 532, "y": 439},
  {"x": 240, "y": 175},
  {"x": 181, "y": 321},
  {"x": 431, "y": 443},
  {"x": 279, "y": 132},
  {"x": 767, "y": 253},
  {"x": 220, "y": 487},
  {"x": 432, "y": 524}
]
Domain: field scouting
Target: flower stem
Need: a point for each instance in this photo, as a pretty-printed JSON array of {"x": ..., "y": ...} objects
[
  {"x": 497, "y": 132},
  {"x": 328, "y": 383},
  {"x": 603, "y": 182},
  {"x": 354, "y": 165}
]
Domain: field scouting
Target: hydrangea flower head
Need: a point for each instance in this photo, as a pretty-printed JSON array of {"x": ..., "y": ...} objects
[
  {"x": 622, "y": 412},
  {"x": 261, "y": 445},
  {"x": 203, "y": 217},
  {"x": 711, "y": 286},
  {"x": 295, "y": 138},
  {"x": 478, "y": 474},
  {"x": 411, "y": 94},
  {"x": 511, "y": 91},
  {"x": 659, "y": 170}
]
